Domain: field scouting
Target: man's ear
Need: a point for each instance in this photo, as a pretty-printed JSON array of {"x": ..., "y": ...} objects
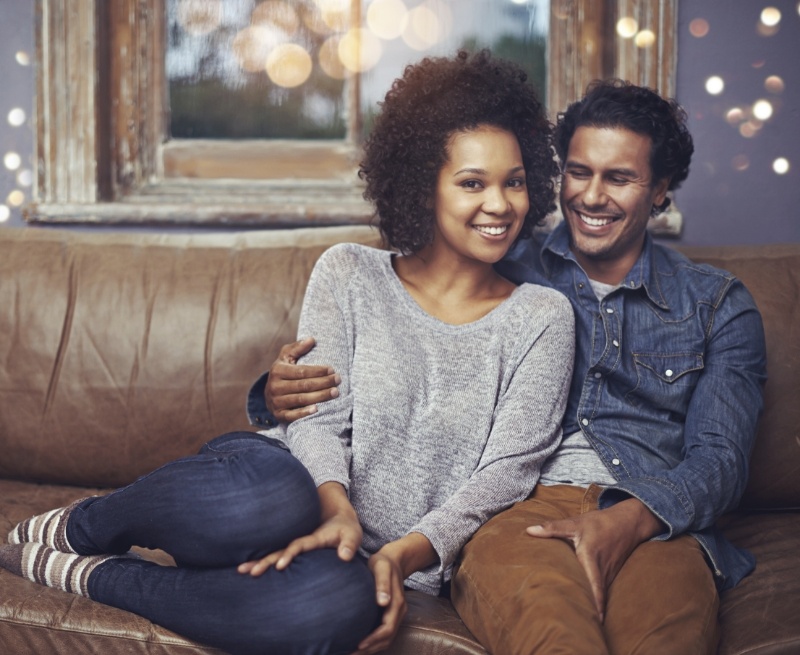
[{"x": 661, "y": 187}]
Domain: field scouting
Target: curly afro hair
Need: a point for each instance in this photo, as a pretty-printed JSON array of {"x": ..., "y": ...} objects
[
  {"x": 619, "y": 104},
  {"x": 408, "y": 144}
]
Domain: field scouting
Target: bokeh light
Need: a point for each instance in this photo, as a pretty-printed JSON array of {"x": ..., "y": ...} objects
[
  {"x": 762, "y": 109},
  {"x": 252, "y": 45},
  {"x": 627, "y": 27},
  {"x": 423, "y": 29},
  {"x": 23, "y": 58},
  {"x": 774, "y": 84},
  {"x": 644, "y": 39},
  {"x": 199, "y": 17},
  {"x": 15, "y": 198},
  {"x": 715, "y": 85},
  {"x": 770, "y": 16},
  {"x": 25, "y": 177},
  {"x": 278, "y": 14},
  {"x": 359, "y": 50},
  {"x": 740, "y": 163},
  {"x": 16, "y": 117},
  {"x": 699, "y": 27},
  {"x": 337, "y": 20},
  {"x": 749, "y": 129},
  {"x": 5, "y": 213},
  {"x": 781, "y": 165},
  {"x": 289, "y": 65},
  {"x": 12, "y": 161},
  {"x": 387, "y": 18},
  {"x": 734, "y": 115},
  {"x": 329, "y": 59}
]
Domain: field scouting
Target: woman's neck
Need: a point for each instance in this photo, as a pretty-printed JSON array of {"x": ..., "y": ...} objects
[{"x": 454, "y": 292}]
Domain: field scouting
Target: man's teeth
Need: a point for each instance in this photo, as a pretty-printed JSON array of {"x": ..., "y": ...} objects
[
  {"x": 595, "y": 222},
  {"x": 494, "y": 231}
]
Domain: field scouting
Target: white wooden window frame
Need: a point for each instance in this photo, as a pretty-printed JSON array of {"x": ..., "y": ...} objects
[{"x": 103, "y": 155}]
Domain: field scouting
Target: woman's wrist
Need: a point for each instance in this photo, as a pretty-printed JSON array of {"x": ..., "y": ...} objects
[
  {"x": 411, "y": 553},
  {"x": 334, "y": 502}
]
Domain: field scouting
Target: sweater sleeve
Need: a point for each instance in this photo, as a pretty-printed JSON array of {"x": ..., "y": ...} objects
[
  {"x": 526, "y": 429},
  {"x": 322, "y": 440}
]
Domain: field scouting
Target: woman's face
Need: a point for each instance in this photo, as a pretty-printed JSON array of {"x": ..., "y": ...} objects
[{"x": 481, "y": 195}]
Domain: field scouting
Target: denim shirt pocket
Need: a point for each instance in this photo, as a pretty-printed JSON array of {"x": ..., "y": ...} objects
[{"x": 668, "y": 379}]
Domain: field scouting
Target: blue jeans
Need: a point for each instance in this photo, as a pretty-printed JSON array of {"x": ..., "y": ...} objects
[{"x": 240, "y": 498}]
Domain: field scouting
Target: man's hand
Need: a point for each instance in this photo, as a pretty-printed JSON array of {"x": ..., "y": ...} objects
[
  {"x": 603, "y": 540},
  {"x": 390, "y": 566},
  {"x": 293, "y": 390},
  {"x": 339, "y": 529}
]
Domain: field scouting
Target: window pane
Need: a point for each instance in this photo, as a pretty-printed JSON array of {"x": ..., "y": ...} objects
[
  {"x": 514, "y": 29},
  {"x": 252, "y": 69},
  {"x": 241, "y": 69}
]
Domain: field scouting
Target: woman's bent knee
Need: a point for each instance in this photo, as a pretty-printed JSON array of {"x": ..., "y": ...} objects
[{"x": 324, "y": 605}]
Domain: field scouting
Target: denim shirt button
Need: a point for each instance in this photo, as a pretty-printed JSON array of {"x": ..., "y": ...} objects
[
  {"x": 668, "y": 372},
  {"x": 598, "y": 375},
  {"x": 615, "y": 462},
  {"x": 585, "y": 421},
  {"x": 609, "y": 310},
  {"x": 616, "y": 343}
]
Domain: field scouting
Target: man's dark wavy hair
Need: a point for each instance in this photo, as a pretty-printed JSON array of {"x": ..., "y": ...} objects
[
  {"x": 408, "y": 144},
  {"x": 619, "y": 104}
]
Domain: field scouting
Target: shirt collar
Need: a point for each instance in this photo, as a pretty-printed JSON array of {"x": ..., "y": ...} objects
[{"x": 643, "y": 273}]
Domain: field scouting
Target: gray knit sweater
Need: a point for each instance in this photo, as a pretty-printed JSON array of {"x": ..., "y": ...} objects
[{"x": 437, "y": 426}]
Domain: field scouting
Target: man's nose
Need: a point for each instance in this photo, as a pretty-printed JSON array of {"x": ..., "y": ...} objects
[{"x": 594, "y": 193}]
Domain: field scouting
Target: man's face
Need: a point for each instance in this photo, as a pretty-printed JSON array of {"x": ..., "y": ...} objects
[{"x": 607, "y": 193}]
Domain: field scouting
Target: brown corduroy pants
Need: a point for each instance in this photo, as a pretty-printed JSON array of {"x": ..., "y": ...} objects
[{"x": 521, "y": 595}]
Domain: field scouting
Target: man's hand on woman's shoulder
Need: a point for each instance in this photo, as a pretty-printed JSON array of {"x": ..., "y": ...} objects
[{"x": 293, "y": 390}]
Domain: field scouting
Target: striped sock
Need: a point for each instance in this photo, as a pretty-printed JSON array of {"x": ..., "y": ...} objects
[
  {"x": 49, "y": 529},
  {"x": 51, "y": 568}
]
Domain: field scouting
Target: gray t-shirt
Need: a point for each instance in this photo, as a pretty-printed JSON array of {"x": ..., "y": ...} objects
[
  {"x": 576, "y": 461},
  {"x": 437, "y": 426}
]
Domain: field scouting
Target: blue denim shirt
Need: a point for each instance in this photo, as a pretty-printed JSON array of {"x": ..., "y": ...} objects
[{"x": 667, "y": 386}]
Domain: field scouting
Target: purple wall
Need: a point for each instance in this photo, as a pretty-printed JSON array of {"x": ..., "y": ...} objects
[{"x": 732, "y": 195}]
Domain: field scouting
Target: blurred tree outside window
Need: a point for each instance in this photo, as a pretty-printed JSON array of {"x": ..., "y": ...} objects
[{"x": 301, "y": 69}]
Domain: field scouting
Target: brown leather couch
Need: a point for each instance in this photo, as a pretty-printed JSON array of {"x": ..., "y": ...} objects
[{"x": 121, "y": 351}]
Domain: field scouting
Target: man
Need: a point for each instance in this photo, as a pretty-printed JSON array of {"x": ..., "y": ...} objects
[{"x": 616, "y": 550}]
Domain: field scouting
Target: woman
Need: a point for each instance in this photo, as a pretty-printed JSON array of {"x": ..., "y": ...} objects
[{"x": 301, "y": 539}]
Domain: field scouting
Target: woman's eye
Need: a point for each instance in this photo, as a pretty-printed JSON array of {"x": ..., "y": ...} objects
[
  {"x": 516, "y": 182},
  {"x": 471, "y": 184}
]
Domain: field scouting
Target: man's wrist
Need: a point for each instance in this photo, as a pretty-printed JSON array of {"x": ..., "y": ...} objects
[{"x": 647, "y": 524}]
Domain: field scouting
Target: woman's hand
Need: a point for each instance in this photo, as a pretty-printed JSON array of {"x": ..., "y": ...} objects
[
  {"x": 390, "y": 566},
  {"x": 339, "y": 529}
]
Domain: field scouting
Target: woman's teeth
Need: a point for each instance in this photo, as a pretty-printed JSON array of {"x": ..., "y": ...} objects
[{"x": 488, "y": 229}]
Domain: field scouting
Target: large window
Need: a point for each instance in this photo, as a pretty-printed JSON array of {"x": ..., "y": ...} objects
[{"x": 251, "y": 112}]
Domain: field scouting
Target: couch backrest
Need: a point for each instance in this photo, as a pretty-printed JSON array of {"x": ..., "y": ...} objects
[
  {"x": 772, "y": 275},
  {"x": 119, "y": 352}
]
